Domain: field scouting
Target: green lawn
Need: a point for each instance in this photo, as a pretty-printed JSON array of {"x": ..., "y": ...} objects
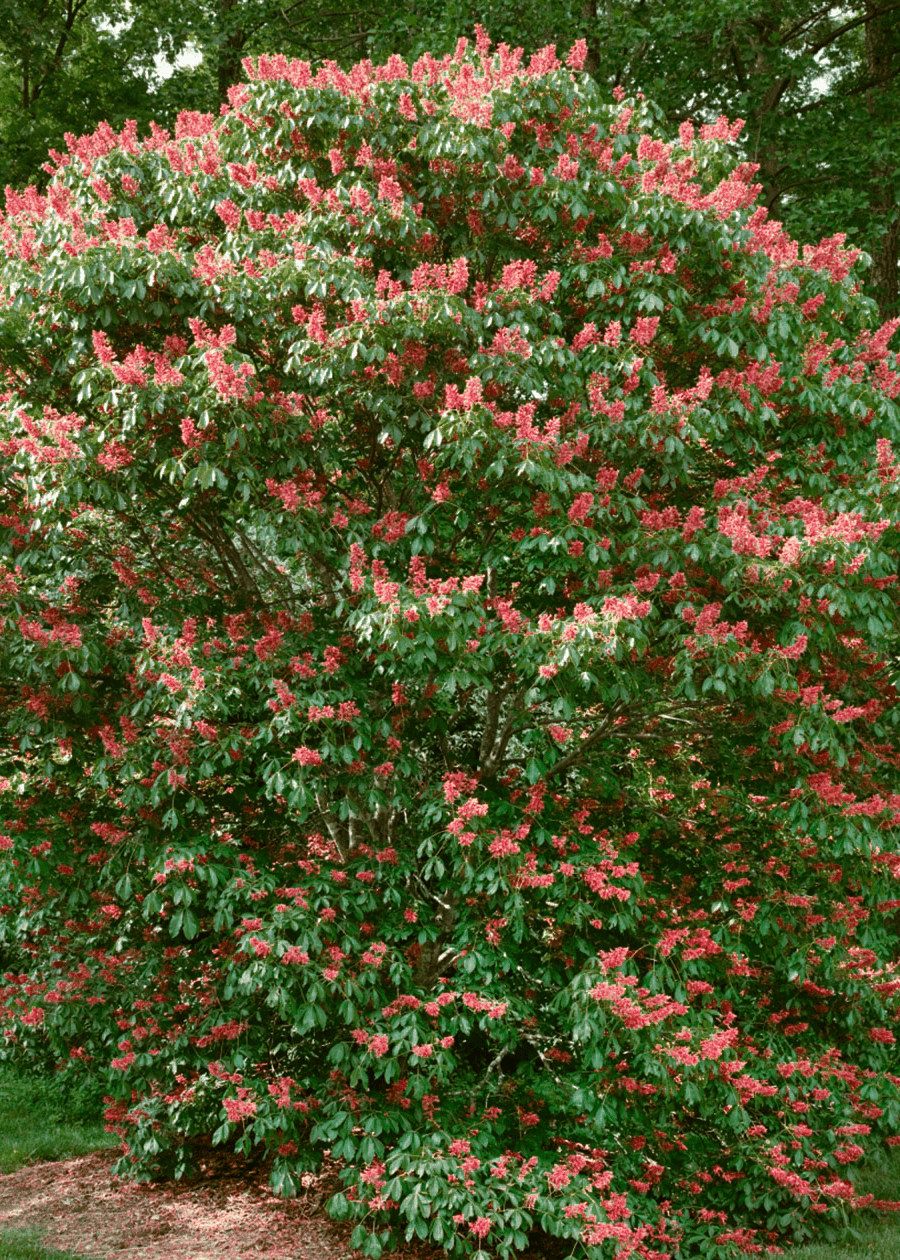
[
  {"x": 36, "y": 1123},
  {"x": 23, "y": 1244},
  {"x": 874, "y": 1235}
]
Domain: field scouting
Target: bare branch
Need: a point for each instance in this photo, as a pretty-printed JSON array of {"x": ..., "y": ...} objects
[
  {"x": 494, "y": 744},
  {"x": 73, "y": 9},
  {"x": 432, "y": 954},
  {"x": 805, "y": 23},
  {"x": 851, "y": 25},
  {"x": 334, "y": 828},
  {"x": 592, "y": 739}
]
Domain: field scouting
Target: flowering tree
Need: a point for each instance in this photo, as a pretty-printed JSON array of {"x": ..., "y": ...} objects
[{"x": 450, "y": 652}]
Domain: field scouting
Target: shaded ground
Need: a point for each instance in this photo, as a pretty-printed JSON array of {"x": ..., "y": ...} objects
[
  {"x": 78, "y": 1205},
  {"x": 229, "y": 1213}
]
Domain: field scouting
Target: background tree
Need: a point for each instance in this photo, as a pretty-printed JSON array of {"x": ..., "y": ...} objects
[
  {"x": 65, "y": 67},
  {"x": 449, "y": 639},
  {"x": 816, "y": 82}
]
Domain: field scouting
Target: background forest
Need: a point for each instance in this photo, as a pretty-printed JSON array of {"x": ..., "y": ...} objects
[{"x": 817, "y": 83}]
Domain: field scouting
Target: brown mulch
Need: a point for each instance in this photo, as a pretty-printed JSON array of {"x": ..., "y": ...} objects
[{"x": 228, "y": 1213}]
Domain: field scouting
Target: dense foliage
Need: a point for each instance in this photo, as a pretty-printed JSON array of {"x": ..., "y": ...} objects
[
  {"x": 449, "y": 653},
  {"x": 818, "y": 83}
]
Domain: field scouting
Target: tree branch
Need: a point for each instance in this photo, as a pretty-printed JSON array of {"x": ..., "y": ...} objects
[
  {"x": 73, "y": 9},
  {"x": 494, "y": 744},
  {"x": 851, "y": 25},
  {"x": 865, "y": 86},
  {"x": 805, "y": 22},
  {"x": 592, "y": 739}
]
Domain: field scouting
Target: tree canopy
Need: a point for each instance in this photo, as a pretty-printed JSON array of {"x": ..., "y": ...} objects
[
  {"x": 816, "y": 82},
  {"x": 449, "y": 643}
]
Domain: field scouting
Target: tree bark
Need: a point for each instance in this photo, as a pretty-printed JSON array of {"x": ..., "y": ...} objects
[
  {"x": 592, "y": 34},
  {"x": 230, "y": 49},
  {"x": 881, "y": 49},
  {"x": 767, "y": 89}
]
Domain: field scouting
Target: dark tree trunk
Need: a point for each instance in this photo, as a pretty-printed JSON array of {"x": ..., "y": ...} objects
[
  {"x": 231, "y": 48},
  {"x": 592, "y": 34},
  {"x": 881, "y": 50}
]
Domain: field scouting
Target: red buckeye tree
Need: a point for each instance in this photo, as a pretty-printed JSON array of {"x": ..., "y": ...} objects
[{"x": 449, "y": 653}]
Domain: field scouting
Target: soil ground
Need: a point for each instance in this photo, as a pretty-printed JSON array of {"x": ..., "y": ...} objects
[{"x": 228, "y": 1213}]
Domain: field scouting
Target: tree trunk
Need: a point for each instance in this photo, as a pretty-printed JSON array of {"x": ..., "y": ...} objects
[
  {"x": 881, "y": 50},
  {"x": 767, "y": 87},
  {"x": 232, "y": 38},
  {"x": 592, "y": 34}
]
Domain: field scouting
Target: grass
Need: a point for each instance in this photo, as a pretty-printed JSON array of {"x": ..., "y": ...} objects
[
  {"x": 873, "y": 1235},
  {"x": 37, "y": 1124},
  {"x": 24, "y": 1244}
]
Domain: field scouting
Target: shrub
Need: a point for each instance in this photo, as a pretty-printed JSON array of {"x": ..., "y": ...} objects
[{"x": 450, "y": 657}]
